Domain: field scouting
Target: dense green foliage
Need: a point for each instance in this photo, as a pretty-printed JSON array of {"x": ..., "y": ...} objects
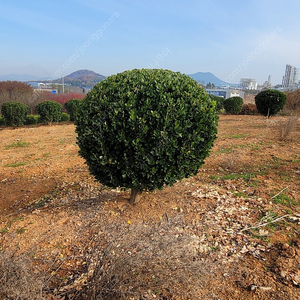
[
  {"x": 32, "y": 119},
  {"x": 219, "y": 102},
  {"x": 65, "y": 117},
  {"x": 143, "y": 129},
  {"x": 14, "y": 113},
  {"x": 49, "y": 111},
  {"x": 233, "y": 105},
  {"x": 72, "y": 107},
  {"x": 2, "y": 121},
  {"x": 270, "y": 102}
]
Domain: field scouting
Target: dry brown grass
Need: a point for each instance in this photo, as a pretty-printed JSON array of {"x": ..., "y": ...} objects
[
  {"x": 249, "y": 109},
  {"x": 286, "y": 128},
  {"x": 17, "y": 281},
  {"x": 249, "y": 98},
  {"x": 146, "y": 262},
  {"x": 231, "y": 161},
  {"x": 293, "y": 100}
]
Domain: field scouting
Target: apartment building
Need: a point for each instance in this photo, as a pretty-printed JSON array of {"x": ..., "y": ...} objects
[{"x": 290, "y": 77}]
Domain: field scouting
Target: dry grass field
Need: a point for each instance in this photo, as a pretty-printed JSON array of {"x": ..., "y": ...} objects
[{"x": 231, "y": 232}]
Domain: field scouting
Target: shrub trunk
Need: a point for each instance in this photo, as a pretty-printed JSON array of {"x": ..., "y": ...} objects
[{"x": 135, "y": 196}]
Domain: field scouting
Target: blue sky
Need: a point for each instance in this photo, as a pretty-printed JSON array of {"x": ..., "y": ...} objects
[{"x": 231, "y": 39}]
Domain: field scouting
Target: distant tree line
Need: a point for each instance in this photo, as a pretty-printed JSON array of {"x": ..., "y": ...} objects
[
  {"x": 267, "y": 102},
  {"x": 20, "y": 105},
  {"x": 16, "y": 91}
]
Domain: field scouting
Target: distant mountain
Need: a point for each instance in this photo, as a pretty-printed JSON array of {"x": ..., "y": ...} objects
[
  {"x": 87, "y": 78},
  {"x": 206, "y": 77},
  {"x": 82, "y": 78},
  {"x": 18, "y": 77}
]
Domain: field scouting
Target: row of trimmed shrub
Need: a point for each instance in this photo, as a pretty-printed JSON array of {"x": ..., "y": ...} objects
[
  {"x": 268, "y": 103},
  {"x": 16, "y": 113},
  {"x": 31, "y": 120},
  {"x": 233, "y": 105}
]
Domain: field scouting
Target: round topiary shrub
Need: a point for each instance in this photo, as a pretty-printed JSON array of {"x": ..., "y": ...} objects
[
  {"x": 144, "y": 129},
  {"x": 72, "y": 106},
  {"x": 14, "y": 113},
  {"x": 270, "y": 102},
  {"x": 65, "y": 117},
  {"x": 233, "y": 105},
  {"x": 49, "y": 111}
]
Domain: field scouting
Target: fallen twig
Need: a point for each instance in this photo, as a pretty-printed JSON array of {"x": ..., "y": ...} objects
[
  {"x": 167, "y": 218},
  {"x": 54, "y": 272},
  {"x": 279, "y": 192},
  {"x": 264, "y": 224}
]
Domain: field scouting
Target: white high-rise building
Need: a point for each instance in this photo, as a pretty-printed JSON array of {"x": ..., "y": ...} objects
[
  {"x": 248, "y": 83},
  {"x": 290, "y": 77}
]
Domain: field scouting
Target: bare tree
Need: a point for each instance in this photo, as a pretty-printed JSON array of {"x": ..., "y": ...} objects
[{"x": 15, "y": 91}]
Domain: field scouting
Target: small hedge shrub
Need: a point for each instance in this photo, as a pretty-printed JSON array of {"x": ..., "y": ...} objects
[
  {"x": 270, "y": 102},
  {"x": 65, "y": 117},
  {"x": 14, "y": 113},
  {"x": 2, "y": 121},
  {"x": 49, "y": 111},
  {"x": 72, "y": 107},
  {"x": 249, "y": 109},
  {"x": 32, "y": 119},
  {"x": 233, "y": 105},
  {"x": 144, "y": 129},
  {"x": 219, "y": 102}
]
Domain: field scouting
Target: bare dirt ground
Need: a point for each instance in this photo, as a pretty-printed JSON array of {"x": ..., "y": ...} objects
[{"x": 231, "y": 232}]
